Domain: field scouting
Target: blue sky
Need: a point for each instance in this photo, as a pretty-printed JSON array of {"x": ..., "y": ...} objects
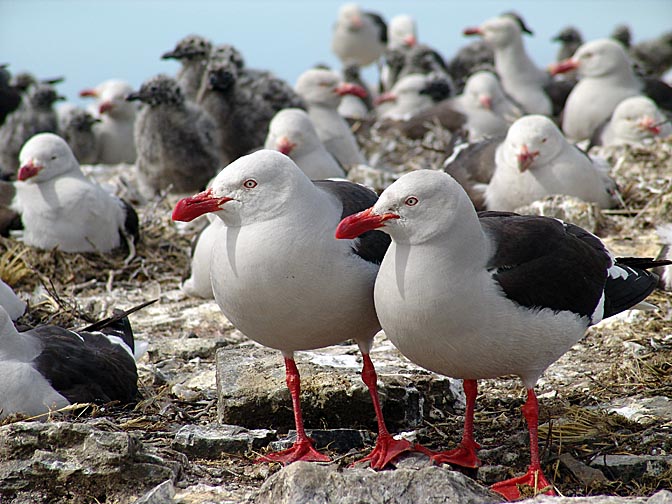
[{"x": 88, "y": 41}]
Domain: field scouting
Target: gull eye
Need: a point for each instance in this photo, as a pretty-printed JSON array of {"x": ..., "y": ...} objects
[
  {"x": 543, "y": 140},
  {"x": 250, "y": 184},
  {"x": 411, "y": 201},
  {"x": 53, "y": 157}
]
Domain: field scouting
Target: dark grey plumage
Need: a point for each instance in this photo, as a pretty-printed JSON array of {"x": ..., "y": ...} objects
[
  {"x": 75, "y": 126},
  {"x": 175, "y": 140},
  {"x": 242, "y": 101},
  {"x": 193, "y": 52},
  {"x": 419, "y": 59},
  {"x": 10, "y": 98},
  {"x": 469, "y": 59},
  {"x": 35, "y": 115},
  {"x": 622, "y": 34},
  {"x": 570, "y": 39},
  {"x": 653, "y": 58}
]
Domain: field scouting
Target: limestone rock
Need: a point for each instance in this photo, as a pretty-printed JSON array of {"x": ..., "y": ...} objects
[
  {"x": 213, "y": 441},
  {"x": 304, "y": 483}
]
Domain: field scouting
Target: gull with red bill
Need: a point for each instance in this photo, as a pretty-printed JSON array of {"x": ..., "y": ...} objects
[
  {"x": 535, "y": 160},
  {"x": 280, "y": 277},
  {"x": 481, "y": 295}
]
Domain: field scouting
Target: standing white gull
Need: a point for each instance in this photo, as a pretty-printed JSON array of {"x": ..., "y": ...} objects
[
  {"x": 634, "y": 121},
  {"x": 359, "y": 37},
  {"x": 280, "y": 277},
  {"x": 520, "y": 76},
  {"x": 605, "y": 79},
  {"x": 50, "y": 367},
  {"x": 477, "y": 296},
  {"x": 62, "y": 208},
  {"x": 114, "y": 132},
  {"x": 292, "y": 132},
  {"x": 322, "y": 91},
  {"x": 535, "y": 160},
  {"x": 198, "y": 284}
]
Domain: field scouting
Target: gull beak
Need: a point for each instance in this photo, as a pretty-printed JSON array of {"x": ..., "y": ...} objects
[
  {"x": 563, "y": 66},
  {"x": 105, "y": 106},
  {"x": 352, "y": 89},
  {"x": 88, "y": 92},
  {"x": 29, "y": 170},
  {"x": 647, "y": 123},
  {"x": 526, "y": 158},
  {"x": 472, "y": 31},
  {"x": 285, "y": 145},
  {"x": 357, "y": 224},
  {"x": 485, "y": 101},
  {"x": 385, "y": 97},
  {"x": 187, "y": 209},
  {"x": 356, "y": 22},
  {"x": 410, "y": 40}
]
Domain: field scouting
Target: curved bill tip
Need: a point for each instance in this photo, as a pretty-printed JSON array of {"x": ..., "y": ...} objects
[
  {"x": 187, "y": 209},
  {"x": 357, "y": 224}
]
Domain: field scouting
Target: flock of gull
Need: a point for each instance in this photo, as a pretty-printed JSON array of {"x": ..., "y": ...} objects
[{"x": 296, "y": 256}]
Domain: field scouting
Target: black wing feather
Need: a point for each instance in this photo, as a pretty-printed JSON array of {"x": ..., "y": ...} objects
[
  {"x": 372, "y": 245},
  {"x": 543, "y": 263},
  {"x": 380, "y": 23},
  {"x": 623, "y": 293}
]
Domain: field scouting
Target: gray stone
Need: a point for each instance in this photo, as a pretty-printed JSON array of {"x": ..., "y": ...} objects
[
  {"x": 95, "y": 458},
  {"x": 304, "y": 482},
  {"x": 160, "y": 494},
  {"x": 338, "y": 440},
  {"x": 643, "y": 410},
  {"x": 213, "y": 441},
  {"x": 252, "y": 391},
  {"x": 568, "y": 209},
  {"x": 661, "y": 497},
  {"x": 628, "y": 467},
  {"x": 588, "y": 476}
]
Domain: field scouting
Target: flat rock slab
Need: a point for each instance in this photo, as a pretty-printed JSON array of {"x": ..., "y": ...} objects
[
  {"x": 310, "y": 483},
  {"x": 662, "y": 497},
  {"x": 338, "y": 440},
  {"x": 628, "y": 467},
  {"x": 252, "y": 391},
  {"x": 214, "y": 441},
  {"x": 86, "y": 462}
]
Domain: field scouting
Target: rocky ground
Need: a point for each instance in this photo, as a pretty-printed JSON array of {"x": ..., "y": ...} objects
[{"x": 606, "y": 406}]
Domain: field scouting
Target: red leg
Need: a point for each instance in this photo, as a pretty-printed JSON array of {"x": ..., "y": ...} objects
[
  {"x": 534, "y": 477},
  {"x": 303, "y": 447},
  {"x": 387, "y": 448},
  {"x": 465, "y": 453}
]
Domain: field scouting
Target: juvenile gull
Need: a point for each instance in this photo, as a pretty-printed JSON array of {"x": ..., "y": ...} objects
[
  {"x": 477, "y": 296},
  {"x": 62, "y": 208},
  {"x": 292, "y": 132},
  {"x": 535, "y": 160},
  {"x": 322, "y": 91},
  {"x": 192, "y": 52},
  {"x": 75, "y": 126},
  {"x": 176, "y": 140},
  {"x": 280, "y": 277},
  {"x": 35, "y": 115}
]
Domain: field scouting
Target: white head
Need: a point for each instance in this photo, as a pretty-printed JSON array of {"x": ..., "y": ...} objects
[
  {"x": 254, "y": 188},
  {"x": 597, "y": 58},
  {"x": 498, "y": 32},
  {"x": 292, "y": 132},
  {"x": 532, "y": 141},
  {"x": 636, "y": 119},
  {"x": 45, "y": 156},
  {"x": 350, "y": 16},
  {"x": 483, "y": 90},
  {"x": 111, "y": 95},
  {"x": 402, "y": 32},
  {"x": 325, "y": 88},
  {"x": 418, "y": 207}
]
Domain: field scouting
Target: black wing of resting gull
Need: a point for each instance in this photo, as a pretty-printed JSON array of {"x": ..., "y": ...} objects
[
  {"x": 635, "y": 121},
  {"x": 75, "y": 126},
  {"x": 114, "y": 132},
  {"x": 358, "y": 37},
  {"x": 535, "y": 160},
  {"x": 176, "y": 140},
  {"x": 520, "y": 77},
  {"x": 477, "y": 296},
  {"x": 34, "y": 115},
  {"x": 280, "y": 277},
  {"x": 242, "y": 101},
  {"x": 322, "y": 91},
  {"x": 50, "y": 367},
  {"x": 193, "y": 52},
  {"x": 62, "y": 208},
  {"x": 292, "y": 132}
]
